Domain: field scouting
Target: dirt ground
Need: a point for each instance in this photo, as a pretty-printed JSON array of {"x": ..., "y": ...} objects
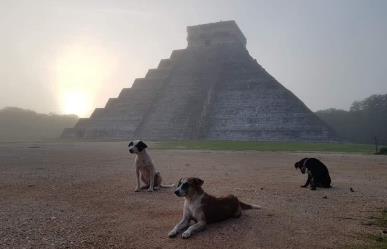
[{"x": 80, "y": 195}]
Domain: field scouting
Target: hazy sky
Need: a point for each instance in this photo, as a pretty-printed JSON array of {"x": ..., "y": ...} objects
[{"x": 71, "y": 56}]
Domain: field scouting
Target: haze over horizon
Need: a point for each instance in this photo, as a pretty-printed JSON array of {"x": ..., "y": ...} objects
[{"x": 71, "y": 56}]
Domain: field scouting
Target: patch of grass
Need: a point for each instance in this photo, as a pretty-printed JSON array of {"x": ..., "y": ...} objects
[
  {"x": 382, "y": 221},
  {"x": 382, "y": 151},
  {"x": 373, "y": 242},
  {"x": 377, "y": 241},
  {"x": 264, "y": 146}
]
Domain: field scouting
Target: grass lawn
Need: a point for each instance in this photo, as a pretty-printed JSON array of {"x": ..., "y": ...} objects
[{"x": 265, "y": 146}]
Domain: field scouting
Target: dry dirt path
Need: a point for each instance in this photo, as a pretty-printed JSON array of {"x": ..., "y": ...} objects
[{"x": 80, "y": 195}]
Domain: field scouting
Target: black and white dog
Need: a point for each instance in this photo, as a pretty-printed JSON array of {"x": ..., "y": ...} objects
[
  {"x": 145, "y": 169},
  {"x": 318, "y": 174}
]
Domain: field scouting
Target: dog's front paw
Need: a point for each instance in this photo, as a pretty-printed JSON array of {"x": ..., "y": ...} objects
[
  {"x": 172, "y": 234},
  {"x": 303, "y": 186},
  {"x": 186, "y": 235},
  {"x": 150, "y": 190},
  {"x": 136, "y": 190}
]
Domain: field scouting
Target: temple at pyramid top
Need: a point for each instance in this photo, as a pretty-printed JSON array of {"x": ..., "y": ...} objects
[
  {"x": 218, "y": 33},
  {"x": 211, "y": 90}
]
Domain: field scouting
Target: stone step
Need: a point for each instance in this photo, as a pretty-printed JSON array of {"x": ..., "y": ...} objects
[
  {"x": 158, "y": 74},
  {"x": 177, "y": 54},
  {"x": 147, "y": 84},
  {"x": 82, "y": 122},
  {"x": 165, "y": 64},
  {"x": 110, "y": 102},
  {"x": 97, "y": 113},
  {"x": 124, "y": 92}
]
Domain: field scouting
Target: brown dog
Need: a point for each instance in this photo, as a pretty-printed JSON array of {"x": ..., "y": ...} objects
[{"x": 204, "y": 208}]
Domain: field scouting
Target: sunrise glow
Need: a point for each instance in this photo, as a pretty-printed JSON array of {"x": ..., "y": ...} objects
[{"x": 80, "y": 73}]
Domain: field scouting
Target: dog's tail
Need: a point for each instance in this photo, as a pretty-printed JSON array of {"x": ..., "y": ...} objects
[
  {"x": 167, "y": 186},
  {"x": 248, "y": 206}
]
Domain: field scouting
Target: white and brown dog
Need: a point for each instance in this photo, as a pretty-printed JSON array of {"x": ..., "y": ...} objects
[
  {"x": 145, "y": 168},
  {"x": 203, "y": 208}
]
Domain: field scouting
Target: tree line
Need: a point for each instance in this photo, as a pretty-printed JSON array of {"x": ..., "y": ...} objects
[
  {"x": 18, "y": 124},
  {"x": 365, "y": 122}
]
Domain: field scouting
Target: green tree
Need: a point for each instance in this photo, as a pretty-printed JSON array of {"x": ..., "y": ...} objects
[{"x": 365, "y": 120}]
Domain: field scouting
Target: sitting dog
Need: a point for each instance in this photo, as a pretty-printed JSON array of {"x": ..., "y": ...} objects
[
  {"x": 318, "y": 174},
  {"x": 144, "y": 167},
  {"x": 203, "y": 208}
]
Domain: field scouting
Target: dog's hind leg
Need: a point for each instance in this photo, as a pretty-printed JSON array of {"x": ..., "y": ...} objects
[
  {"x": 326, "y": 183},
  {"x": 157, "y": 181}
]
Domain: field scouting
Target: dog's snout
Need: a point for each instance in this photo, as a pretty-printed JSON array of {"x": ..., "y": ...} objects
[
  {"x": 177, "y": 192},
  {"x": 131, "y": 150}
]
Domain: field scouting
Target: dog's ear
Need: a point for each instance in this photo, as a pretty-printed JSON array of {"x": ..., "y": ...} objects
[
  {"x": 179, "y": 182},
  {"x": 300, "y": 163},
  {"x": 198, "y": 182},
  {"x": 141, "y": 146}
]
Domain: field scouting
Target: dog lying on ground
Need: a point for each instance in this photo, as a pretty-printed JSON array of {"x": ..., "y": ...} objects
[
  {"x": 318, "y": 174},
  {"x": 145, "y": 168},
  {"x": 203, "y": 208}
]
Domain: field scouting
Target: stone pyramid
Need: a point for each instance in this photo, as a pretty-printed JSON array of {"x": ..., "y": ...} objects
[{"x": 214, "y": 90}]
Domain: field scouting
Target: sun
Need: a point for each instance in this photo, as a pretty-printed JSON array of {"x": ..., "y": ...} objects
[
  {"x": 76, "y": 102},
  {"x": 80, "y": 72}
]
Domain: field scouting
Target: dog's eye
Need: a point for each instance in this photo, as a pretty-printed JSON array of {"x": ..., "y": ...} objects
[
  {"x": 184, "y": 185},
  {"x": 130, "y": 144}
]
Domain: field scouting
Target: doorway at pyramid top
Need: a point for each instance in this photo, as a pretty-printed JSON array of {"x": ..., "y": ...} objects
[{"x": 214, "y": 34}]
